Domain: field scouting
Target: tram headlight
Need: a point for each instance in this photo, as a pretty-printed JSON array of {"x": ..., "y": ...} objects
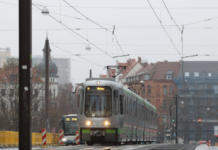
[
  {"x": 107, "y": 123},
  {"x": 64, "y": 139},
  {"x": 88, "y": 123}
]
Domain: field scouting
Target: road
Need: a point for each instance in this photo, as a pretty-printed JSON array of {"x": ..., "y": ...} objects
[
  {"x": 124, "y": 147},
  {"x": 94, "y": 147}
]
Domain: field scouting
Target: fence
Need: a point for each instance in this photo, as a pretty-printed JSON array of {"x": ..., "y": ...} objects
[{"x": 11, "y": 138}]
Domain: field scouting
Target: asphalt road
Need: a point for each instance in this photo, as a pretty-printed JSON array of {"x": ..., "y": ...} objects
[{"x": 94, "y": 147}]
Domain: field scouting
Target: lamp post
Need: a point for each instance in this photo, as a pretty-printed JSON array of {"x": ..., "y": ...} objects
[{"x": 47, "y": 53}]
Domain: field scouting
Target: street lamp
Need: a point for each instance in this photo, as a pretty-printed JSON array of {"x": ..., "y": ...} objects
[
  {"x": 45, "y": 11},
  {"x": 121, "y": 56},
  {"x": 88, "y": 48}
]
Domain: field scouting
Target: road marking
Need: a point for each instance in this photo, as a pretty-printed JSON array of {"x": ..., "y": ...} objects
[{"x": 106, "y": 148}]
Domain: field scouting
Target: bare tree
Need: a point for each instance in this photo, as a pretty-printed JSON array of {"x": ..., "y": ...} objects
[{"x": 9, "y": 95}]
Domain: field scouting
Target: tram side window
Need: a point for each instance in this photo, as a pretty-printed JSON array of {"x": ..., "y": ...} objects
[
  {"x": 116, "y": 102},
  {"x": 126, "y": 106},
  {"x": 81, "y": 101},
  {"x": 121, "y": 104},
  {"x": 141, "y": 113},
  {"x": 130, "y": 107}
]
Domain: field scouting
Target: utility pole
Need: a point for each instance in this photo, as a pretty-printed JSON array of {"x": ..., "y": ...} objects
[
  {"x": 176, "y": 120},
  {"x": 25, "y": 64},
  {"x": 47, "y": 53}
]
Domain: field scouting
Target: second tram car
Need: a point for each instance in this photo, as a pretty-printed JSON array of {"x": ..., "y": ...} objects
[{"x": 108, "y": 112}]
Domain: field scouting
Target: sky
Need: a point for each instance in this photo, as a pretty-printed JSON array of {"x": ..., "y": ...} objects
[{"x": 137, "y": 30}]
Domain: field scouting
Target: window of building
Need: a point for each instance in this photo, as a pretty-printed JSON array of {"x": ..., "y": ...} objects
[
  {"x": 36, "y": 91},
  {"x": 215, "y": 89},
  {"x": 168, "y": 77},
  {"x": 187, "y": 74},
  {"x": 147, "y": 77},
  {"x": 158, "y": 104},
  {"x": 11, "y": 92},
  {"x": 13, "y": 77},
  {"x": 164, "y": 90},
  {"x": 209, "y": 74},
  {"x": 149, "y": 90},
  {"x": 196, "y": 74},
  {"x": 137, "y": 77},
  {"x": 171, "y": 89},
  {"x": 143, "y": 90},
  {"x": 2, "y": 92},
  {"x": 157, "y": 90},
  {"x": 54, "y": 91},
  {"x": 164, "y": 104}
]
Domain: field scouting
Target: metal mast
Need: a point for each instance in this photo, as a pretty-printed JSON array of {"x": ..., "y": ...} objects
[{"x": 25, "y": 63}]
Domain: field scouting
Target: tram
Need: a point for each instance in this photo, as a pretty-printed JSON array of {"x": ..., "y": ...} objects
[
  {"x": 69, "y": 126},
  {"x": 108, "y": 112}
]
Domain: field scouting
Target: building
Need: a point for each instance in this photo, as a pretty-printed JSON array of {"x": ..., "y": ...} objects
[
  {"x": 154, "y": 82},
  {"x": 53, "y": 71},
  {"x": 5, "y": 53},
  {"x": 131, "y": 65},
  {"x": 64, "y": 68},
  {"x": 197, "y": 88}
]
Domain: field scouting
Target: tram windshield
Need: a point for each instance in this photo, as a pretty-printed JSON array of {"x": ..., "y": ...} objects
[
  {"x": 98, "y": 102},
  {"x": 70, "y": 127}
]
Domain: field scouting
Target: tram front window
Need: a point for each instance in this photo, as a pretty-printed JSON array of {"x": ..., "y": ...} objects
[
  {"x": 70, "y": 127},
  {"x": 98, "y": 102}
]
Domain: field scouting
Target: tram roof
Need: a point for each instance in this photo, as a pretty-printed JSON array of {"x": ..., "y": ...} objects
[{"x": 106, "y": 79}]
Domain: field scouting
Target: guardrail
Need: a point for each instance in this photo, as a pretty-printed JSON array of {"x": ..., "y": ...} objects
[{"x": 11, "y": 138}]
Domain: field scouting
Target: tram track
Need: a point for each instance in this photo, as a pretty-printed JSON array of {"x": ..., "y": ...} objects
[{"x": 175, "y": 147}]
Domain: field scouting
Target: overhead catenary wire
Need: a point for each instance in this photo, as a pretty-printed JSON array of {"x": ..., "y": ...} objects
[
  {"x": 126, "y": 8},
  {"x": 171, "y": 15},
  {"x": 76, "y": 33},
  {"x": 76, "y": 55},
  {"x": 62, "y": 15},
  {"x": 100, "y": 26},
  {"x": 84, "y": 15},
  {"x": 164, "y": 28},
  {"x": 209, "y": 19}
]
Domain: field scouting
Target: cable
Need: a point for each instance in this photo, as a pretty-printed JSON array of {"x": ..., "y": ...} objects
[
  {"x": 75, "y": 33},
  {"x": 52, "y": 29},
  {"x": 137, "y": 44},
  {"x": 84, "y": 15},
  {"x": 76, "y": 55},
  {"x": 164, "y": 28},
  {"x": 170, "y": 15},
  {"x": 200, "y": 21}
]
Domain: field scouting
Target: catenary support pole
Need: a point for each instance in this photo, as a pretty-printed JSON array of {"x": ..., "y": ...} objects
[
  {"x": 25, "y": 63},
  {"x": 47, "y": 92}
]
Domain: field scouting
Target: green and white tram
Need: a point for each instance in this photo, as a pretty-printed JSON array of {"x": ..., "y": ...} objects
[{"x": 108, "y": 112}]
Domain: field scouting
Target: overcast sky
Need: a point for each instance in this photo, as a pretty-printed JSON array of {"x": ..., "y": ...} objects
[{"x": 136, "y": 27}]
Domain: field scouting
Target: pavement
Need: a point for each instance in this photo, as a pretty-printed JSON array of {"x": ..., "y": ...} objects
[{"x": 205, "y": 147}]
